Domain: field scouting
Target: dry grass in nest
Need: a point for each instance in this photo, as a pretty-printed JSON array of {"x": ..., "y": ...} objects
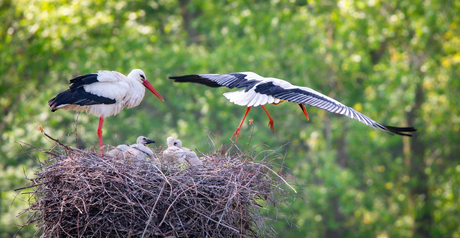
[{"x": 83, "y": 194}]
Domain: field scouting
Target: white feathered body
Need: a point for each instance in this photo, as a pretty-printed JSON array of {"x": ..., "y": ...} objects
[
  {"x": 104, "y": 94},
  {"x": 125, "y": 91}
]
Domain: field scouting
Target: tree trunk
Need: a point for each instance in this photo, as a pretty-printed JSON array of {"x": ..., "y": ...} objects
[
  {"x": 187, "y": 17},
  {"x": 419, "y": 191}
]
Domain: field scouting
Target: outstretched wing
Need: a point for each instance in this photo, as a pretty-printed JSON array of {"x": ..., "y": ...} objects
[
  {"x": 245, "y": 97},
  {"x": 308, "y": 96},
  {"x": 232, "y": 80}
]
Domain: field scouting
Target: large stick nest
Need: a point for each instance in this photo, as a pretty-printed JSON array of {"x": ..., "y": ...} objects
[{"x": 83, "y": 194}]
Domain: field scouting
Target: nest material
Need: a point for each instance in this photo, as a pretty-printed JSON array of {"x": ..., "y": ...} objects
[{"x": 83, "y": 194}]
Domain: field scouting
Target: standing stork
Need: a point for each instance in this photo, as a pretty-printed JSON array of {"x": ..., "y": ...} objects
[
  {"x": 103, "y": 94},
  {"x": 259, "y": 91}
]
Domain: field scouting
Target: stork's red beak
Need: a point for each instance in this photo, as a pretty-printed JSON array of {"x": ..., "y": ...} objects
[{"x": 148, "y": 85}]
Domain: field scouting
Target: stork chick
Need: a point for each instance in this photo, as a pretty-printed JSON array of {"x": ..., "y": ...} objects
[
  {"x": 187, "y": 154},
  {"x": 172, "y": 155},
  {"x": 140, "y": 150}
]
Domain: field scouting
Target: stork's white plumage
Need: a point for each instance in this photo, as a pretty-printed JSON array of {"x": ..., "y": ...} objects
[
  {"x": 140, "y": 150},
  {"x": 259, "y": 91},
  {"x": 103, "y": 94},
  {"x": 118, "y": 151},
  {"x": 187, "y": 154},
  {"x": 172, "y": 155}
]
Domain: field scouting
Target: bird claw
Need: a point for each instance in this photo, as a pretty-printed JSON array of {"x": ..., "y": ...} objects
[
  {"x": 236, "y": 133},
  {"x": 271, "y": 124}
]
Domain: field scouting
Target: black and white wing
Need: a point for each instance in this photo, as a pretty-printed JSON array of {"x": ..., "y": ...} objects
[
  {"x": 308, "y": 96},
  {"x": 87, "y": 90},
  {"x": 245, "y": 97},
  {"x": 232, "y": 80}
]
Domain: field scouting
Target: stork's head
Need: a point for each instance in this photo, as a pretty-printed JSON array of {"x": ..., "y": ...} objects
[
  {"x": 178, "y": 143},
  {"x": 144, "y": 140},
  {"x": 139, "y": 75},
  {"x": 170, "y": 141}
]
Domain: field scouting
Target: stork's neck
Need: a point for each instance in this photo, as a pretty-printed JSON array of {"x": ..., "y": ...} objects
[{"x": 135, "y": 94}]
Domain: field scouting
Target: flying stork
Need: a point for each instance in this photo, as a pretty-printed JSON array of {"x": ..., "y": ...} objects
[
  {"x": 103, "y": 94},
  {"x": 259, "y": 91}
]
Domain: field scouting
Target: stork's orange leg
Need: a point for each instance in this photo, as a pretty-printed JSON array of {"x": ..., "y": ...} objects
[
  {"x": 271, "y": 123},
  {"x": 237, "y": 132},
  {"x": 99, "y": 133},
  {"x": 304, "y": 111}
]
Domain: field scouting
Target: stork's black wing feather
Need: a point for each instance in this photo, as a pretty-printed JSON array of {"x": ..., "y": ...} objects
[
  {"x": 83, "y": 80},
  {"x": 195, "y": 78},
  {"x": 77, "y": 97},
  {"x": 400, "y": 130},
  {"x": 233, "y": 80}
]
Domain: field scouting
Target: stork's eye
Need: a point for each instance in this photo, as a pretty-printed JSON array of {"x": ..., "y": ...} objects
[
  {"x": 175, "y": 143},
  {"x": 142, "y": 76}
]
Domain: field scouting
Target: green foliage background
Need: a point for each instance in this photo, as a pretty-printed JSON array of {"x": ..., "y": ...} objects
[{"x": 397, "y": 61}]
